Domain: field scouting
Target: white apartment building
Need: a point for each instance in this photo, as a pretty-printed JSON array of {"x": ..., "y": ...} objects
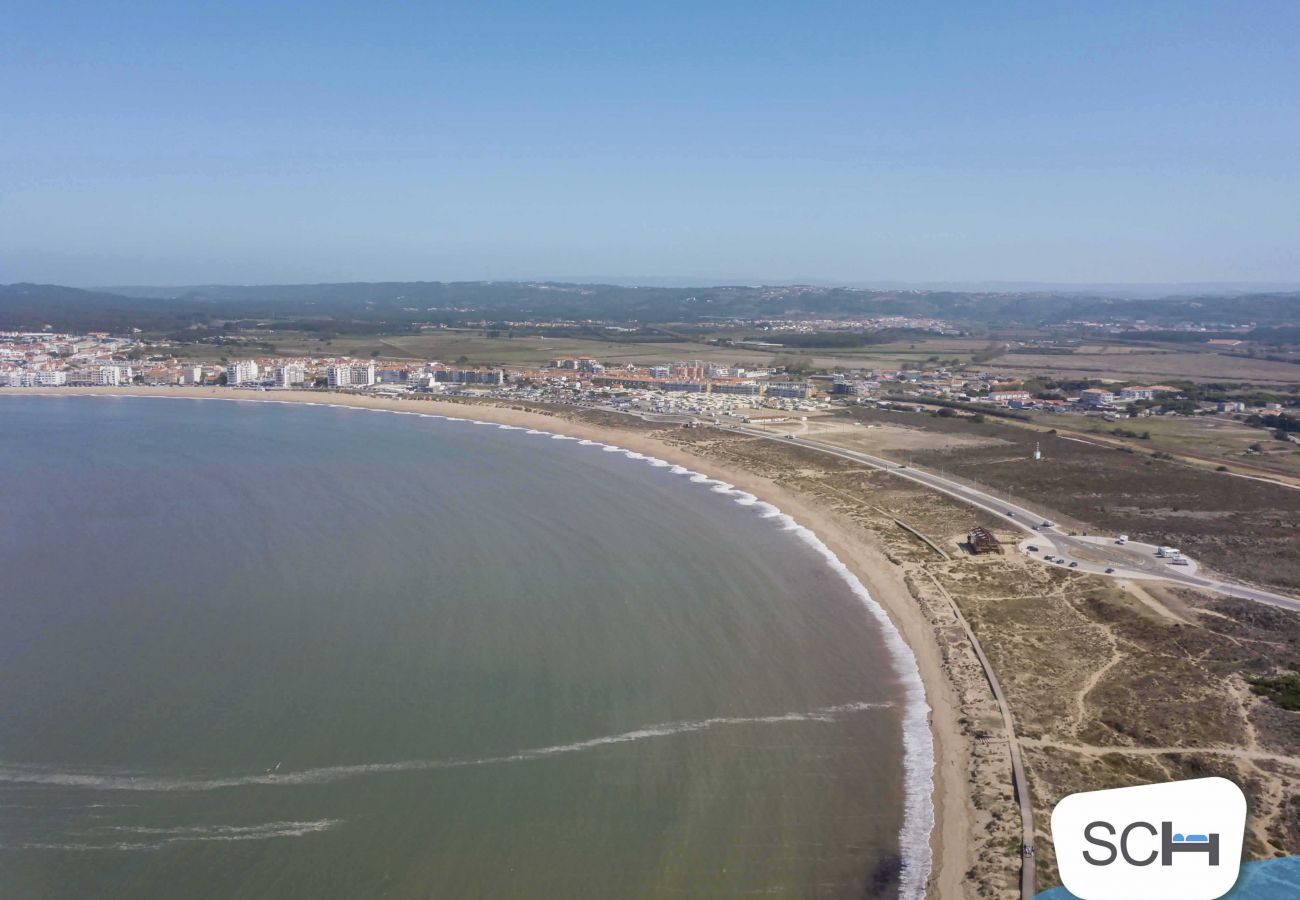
[
  {"x": 192, "y": 375},
  {"x": 353, "y": 375},
  {"x": 51, "y": 378},
  {"x": 290, "y": 374},
  {"x": 242, "y": 371}
]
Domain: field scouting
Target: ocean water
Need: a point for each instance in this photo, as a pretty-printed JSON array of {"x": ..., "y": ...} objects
[{"x": 275, "y": 650}]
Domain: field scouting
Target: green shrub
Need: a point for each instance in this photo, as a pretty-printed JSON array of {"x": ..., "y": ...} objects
[{"x": 1284, "y": 690}]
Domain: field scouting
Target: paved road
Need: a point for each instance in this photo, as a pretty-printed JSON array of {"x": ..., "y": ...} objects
[{"x": 1128, "y": 562}]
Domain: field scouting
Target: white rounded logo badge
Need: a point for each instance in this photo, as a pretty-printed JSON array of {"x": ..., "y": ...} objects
[{"x": 1175, "y": 841}]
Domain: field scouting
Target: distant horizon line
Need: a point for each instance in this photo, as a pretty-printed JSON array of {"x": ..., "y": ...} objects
[{"x": 994, "y": 285}]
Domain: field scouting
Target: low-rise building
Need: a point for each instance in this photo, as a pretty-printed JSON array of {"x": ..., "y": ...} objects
[
  {"x": 796, "y": 390},
  {"x": 1005, "y": 398},
  {"x": 1096, "y": 397}
]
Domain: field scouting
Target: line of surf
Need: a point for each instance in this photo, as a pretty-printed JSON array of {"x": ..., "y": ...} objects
[
  {"x": 157, "y": 838},
  {"x": 136, "y": 781}
]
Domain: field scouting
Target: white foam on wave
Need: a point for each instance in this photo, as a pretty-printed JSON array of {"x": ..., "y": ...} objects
[
  {"x": 130, "y": 781},
  {"x": 158, "y": 838},
  {"x": 918, "y": 743},
  {"x": 229, "y": 832},
  {"x": 536, "y": 431}
]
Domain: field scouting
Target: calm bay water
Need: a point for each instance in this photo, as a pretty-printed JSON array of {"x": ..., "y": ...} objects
[{"x": 259, "y": 650}]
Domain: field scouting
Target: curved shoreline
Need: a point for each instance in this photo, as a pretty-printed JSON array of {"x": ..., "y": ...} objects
[{"x": 928, "y": 793}]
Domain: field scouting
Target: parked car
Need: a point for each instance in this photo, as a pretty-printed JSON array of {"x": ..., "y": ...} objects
[
  {"x": 1110, "y": 571},
  {"x": 1074, "y": 565},
  {"x": 1032, "y": 549}
]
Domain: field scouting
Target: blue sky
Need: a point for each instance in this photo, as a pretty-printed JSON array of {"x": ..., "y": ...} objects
[{"x": 178, "y": 143}]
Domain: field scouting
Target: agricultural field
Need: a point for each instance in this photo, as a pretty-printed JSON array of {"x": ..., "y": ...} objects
[
  {"x": 1214, "y": 439},
  {"x": 1128, "y": 363}
]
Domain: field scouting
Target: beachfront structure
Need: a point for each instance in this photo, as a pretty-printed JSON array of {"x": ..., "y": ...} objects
[
  {"x": 18, "y": 378},
  {"x": 351, "y": 375},
  {"x": 290, "y": 374},
  {"x": 192, "y": 375},
  {"x": 470, "y": 376},
  {"x": 241, "y": 371},
  {"x": 51, "y": 378}
]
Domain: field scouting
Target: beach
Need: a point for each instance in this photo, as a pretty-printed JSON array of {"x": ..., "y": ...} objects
[{"x": 851, "y": 544}]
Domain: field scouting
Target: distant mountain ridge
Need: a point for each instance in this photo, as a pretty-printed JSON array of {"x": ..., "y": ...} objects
[{"x": 397, "y": 305}]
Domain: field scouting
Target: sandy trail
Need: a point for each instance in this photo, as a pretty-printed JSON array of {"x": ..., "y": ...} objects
[{"x": 1094, "y": 751}]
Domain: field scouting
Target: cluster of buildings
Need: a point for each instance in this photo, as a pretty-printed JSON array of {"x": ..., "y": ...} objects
[
  {"x": 695, "y": 387},
  {"x": 348, "y": 373},
  {"x": 49, "y": 359},
  {"x": 875, "y": 323},
  {"x": 685, "y": 377},
  {"x": 985, "y": 388}
]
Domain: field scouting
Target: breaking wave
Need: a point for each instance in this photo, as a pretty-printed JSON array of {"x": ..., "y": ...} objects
[
  {"x": 134, "y": 781},
  {"x": 146, "y": 838}
]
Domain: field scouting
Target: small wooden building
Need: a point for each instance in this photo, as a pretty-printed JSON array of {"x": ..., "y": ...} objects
[{"x": 982, "y": 540}]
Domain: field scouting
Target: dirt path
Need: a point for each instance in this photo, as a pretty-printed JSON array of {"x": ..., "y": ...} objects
[
  {"x": 1018, "y": 781},
  {"x": 1153, "y": 604},
  {"x": 1094, "y": 751}
]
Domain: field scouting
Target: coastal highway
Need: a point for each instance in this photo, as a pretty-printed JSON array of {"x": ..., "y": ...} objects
[
  {"x": 1128, "y": 561},
  {"x": 1094, "y": 556}
]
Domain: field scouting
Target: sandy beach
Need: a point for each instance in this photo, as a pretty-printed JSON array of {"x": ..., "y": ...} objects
[{"x": 950, "y": 839}]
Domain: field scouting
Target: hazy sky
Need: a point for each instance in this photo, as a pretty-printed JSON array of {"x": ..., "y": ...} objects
[{"x": 166, "y": 143}]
